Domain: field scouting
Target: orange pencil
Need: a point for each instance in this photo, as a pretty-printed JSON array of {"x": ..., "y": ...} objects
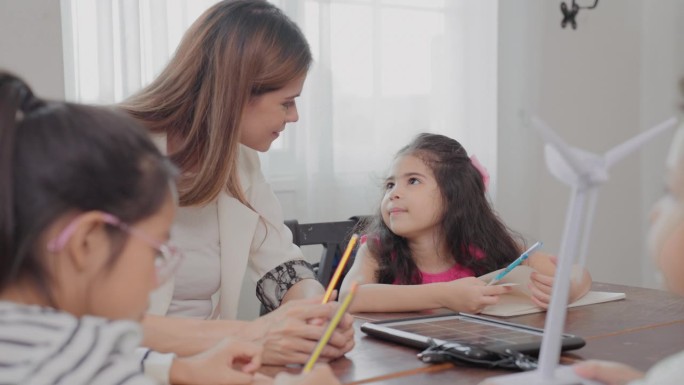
[{"x": 340, "y": 268}]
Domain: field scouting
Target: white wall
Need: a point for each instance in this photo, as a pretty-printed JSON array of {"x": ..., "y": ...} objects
[
  {"x": 598, "y": 85},
  {"x": 31, "y": 44},
  {"x": 610, "y": 79}
]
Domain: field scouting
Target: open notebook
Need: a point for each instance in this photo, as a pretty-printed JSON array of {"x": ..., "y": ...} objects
[{"x": 518, "y": 301}]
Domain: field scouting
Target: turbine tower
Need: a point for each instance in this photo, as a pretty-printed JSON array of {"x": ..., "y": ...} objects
[{"x": 584, "y": 172}]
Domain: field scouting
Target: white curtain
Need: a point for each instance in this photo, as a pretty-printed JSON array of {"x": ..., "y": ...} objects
[{"x": 384, "y": 71}]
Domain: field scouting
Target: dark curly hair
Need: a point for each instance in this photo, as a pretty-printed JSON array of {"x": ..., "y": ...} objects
[{"x": 469, "y": 223}]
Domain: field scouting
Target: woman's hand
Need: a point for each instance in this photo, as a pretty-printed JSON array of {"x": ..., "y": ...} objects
[
  {"x": 542, "y": 279},
  {"x": 290, "y": 333},
  {"x": 609, "y": 373},
  {"x": 217, "y": 365},
  {"x": 470, "y": 295}
]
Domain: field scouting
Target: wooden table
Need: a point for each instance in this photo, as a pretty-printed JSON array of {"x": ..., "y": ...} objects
[{"x": 640, "y": 330}]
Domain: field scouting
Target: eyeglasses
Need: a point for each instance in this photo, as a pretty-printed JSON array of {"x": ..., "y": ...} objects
[{"x": 166, "y": 261}]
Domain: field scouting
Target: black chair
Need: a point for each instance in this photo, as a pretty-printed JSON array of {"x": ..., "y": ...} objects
[{"x": 333, "y": 236}]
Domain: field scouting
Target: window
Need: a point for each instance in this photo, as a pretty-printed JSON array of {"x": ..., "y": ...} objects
[{"x": 384, "y": 70}]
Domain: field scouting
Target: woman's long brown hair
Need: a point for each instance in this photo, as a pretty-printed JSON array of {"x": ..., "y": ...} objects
[{"x": 235, "y": 51}]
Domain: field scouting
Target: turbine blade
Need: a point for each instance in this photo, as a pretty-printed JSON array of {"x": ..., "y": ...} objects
[
  {"x": 623, "y": 149},
  {"x": 552, "y": 138}
]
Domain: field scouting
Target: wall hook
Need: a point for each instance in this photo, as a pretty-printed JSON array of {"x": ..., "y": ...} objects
[{"x": 569, "y": 14}]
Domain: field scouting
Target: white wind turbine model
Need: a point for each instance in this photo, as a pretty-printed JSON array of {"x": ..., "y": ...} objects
[{"x": 583, "y": 172}]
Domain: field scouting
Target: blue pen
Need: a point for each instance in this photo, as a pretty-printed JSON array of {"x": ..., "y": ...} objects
[{"x": 515, "y": 263}]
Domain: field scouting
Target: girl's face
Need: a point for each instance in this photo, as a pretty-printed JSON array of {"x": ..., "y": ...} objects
[
  {"x": 121, "y": 289},
  {"x": 265, "y": 116},
  {"x": 412, "y": 204}
]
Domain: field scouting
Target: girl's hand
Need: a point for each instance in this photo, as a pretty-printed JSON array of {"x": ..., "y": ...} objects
[
  {"x": 291, "y": 332},
  {"x": 540, "y": 288},
  {"x": 609, "y": 373},
  {"x": 216, "y": 365},
  {"x": 320, "y": 375},
  {"x": 541, "y": 282},
  {"x": 470, "y": 295}
]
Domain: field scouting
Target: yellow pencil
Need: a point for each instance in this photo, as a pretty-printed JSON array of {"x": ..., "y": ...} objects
[
  {"x": 340, "y": 268},
  {"x": 331, "y": 328}
]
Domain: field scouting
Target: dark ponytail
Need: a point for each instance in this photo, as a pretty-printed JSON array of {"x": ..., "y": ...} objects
[{"x": 59, "y": 158}]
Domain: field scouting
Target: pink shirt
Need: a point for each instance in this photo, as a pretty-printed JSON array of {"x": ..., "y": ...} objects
[{"x": 453, "y": 273}]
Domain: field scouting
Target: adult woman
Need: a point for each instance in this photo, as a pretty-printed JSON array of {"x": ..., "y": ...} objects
[{"x": 227, "y": 93}]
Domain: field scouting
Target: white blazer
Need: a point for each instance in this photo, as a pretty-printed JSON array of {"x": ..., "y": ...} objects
[{"x": 257, "y": 238}]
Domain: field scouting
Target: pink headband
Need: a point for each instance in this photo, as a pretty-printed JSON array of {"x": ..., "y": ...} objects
[{"x": 483, "y": 171}]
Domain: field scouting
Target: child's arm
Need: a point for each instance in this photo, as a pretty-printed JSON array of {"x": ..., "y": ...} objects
[
  {"x": 466, "y": 294},
  {"x": 362, "y": 272},
  {"x": 541, "y": 280}
]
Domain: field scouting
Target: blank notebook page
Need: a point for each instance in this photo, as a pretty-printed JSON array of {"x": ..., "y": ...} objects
[{"x": 518, "y": 302}]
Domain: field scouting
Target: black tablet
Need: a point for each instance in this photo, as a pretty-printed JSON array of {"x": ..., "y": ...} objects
[{"x": 465, "y": 329}]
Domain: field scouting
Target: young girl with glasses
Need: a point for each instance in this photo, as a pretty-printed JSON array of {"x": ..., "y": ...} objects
[{"x": 86, "y": 203}]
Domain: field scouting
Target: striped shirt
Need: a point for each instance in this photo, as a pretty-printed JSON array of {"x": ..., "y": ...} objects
[{"x": 41, "y": 345}]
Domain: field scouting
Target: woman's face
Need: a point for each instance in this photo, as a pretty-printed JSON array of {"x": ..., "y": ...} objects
[{"x": 265, "y": 116}]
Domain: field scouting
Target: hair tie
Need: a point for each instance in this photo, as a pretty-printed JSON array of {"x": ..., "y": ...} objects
[
  {"x": 481, "y": 169},
  {"x": 26, "y": 102}
]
